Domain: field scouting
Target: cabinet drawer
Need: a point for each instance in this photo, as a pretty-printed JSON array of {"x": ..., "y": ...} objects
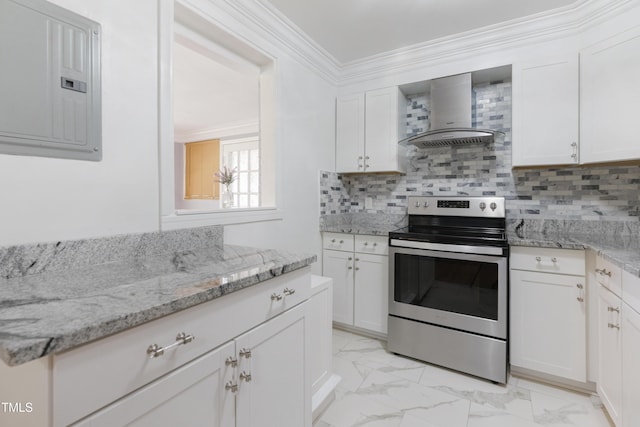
[
  {"x": 549, "y": 260},
  {"x": 338, "y": 241},
  {"x": 609, "y": 275},
  {"x": 119, "y": 364},
  {"x": 631, "y": 290},
  {"x": 378, "y": 245}
]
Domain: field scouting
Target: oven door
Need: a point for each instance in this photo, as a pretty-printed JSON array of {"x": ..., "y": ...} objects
[{"x": 462, "y": 291}]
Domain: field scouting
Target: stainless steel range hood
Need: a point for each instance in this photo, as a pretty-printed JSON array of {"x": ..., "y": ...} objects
[{"x": 451, "y": 116}]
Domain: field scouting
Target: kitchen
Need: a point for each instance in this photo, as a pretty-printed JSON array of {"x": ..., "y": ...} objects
[{"x": 124, "y": 193}]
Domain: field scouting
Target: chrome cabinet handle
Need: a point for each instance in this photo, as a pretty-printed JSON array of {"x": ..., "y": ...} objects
[
  {"x": 613, "y": 326},
  {"x": 616, "y": 309},
  {"x": 231, "y": 362},
  {"x": 231, "y": 386},
  {"x": 154, "y": 350},
  {"x": 580, "y": 299},
  {"x": 288, "y": 292},
  {"x": 245, "y": 377},
  {"x": 245, "y": 352},
  {"x": 579, "y": 286},
  {"x": 276, "y": 297},
  {"x": 574, "y": 151},
  {"x": 603, "y": 271},
  {"x": 538, "y": 259}
]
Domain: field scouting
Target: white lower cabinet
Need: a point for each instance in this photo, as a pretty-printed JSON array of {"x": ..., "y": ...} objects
[
  {"x": 193, "y": 394},
  {"x": 359, "y": 268},
  {"x": 249, "y": 358},
  {"x": 630, "y": 354},
  {"x": 339, "y": 266},
  {"x": 371, "y": 304},
  {"x": 247, "y": 382},
  {"x": 609, "y": 382},
  {"x": 548, "y": 312},
  {"x": 273, "y": 388}
]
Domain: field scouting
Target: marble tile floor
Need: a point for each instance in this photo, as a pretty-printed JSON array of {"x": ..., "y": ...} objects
[{"x": 380, "y": 389}]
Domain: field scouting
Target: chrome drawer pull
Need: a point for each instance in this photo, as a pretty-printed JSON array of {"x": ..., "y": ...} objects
[
  {"x": 616, "y": 309},
  {"x": 580, "y": 299},
  {"x": 276, "y": 297},
  {"x": 288, "y": 292},
  {"x": 579, "y": 285},
  {"x": 231, "y": 386},
  {"x": 245, "y": 352},
  {"x": 603, "y": 271},
  {"x": 245, "y": 377},
  {"x": 154, "y": 350},
  {"x": 231, "y": 362},
  {"x": 612, "y": 326}
]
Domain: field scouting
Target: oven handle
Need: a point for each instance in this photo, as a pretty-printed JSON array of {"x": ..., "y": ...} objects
[{"x": 465, "y": 249}]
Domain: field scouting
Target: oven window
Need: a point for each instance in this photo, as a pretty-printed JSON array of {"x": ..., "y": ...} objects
[{"x": 459, "y": 286}]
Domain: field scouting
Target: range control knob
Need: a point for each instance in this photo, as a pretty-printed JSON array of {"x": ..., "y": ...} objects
[
  {"x": 417, "y": 204},
  {"x": 493, "y": 206},
  {"x": 483, "y": 205},
  {"x": 426, "y": 204}
]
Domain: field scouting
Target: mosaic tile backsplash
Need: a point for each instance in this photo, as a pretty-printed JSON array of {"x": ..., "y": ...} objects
[{"x": 565, "y": 193}]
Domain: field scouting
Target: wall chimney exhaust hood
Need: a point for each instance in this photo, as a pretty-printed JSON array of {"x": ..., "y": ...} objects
[{"x": 451, "y": 101}]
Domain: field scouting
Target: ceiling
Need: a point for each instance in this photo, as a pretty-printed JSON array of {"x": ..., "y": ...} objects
[
  {"x": 350, "y": 30},
  {"x": 211, "y": 94}
]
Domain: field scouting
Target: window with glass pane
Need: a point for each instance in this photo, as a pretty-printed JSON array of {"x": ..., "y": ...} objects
[{"x": 244, "y": 158}]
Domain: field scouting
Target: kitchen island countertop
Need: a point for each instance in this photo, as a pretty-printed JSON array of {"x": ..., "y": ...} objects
[{"x": 46, "y": 313}]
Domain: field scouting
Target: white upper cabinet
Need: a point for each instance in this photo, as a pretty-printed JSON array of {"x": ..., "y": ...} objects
[
  {"x": 609, "y": 92},
  {"x": 546, "y": 111},
  {"x": 350, "y": 133},
  {"x": 368, "y": 128}
]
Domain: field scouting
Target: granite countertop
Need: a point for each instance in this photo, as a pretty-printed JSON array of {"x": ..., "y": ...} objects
[
  {"x": 46, "y": 313},
  {"x": 622, "y": 250},
  {"x": 378, "y": 224},
  {"x": 617, "y": 242}
]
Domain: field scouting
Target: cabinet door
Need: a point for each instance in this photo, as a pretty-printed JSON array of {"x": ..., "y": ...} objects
[
  {"x": 339, "y": 266},
  {"x": 382, "y": 129},
  {"x": 548, "y": 326},
  {"x": 545, "y": 111},
  {"x": 320, "y": 313},
  {"x": 278, "y": 392},
  {"x": 350, "y": 133},
  {"x": 609, "y": 382},
  {"x": 609, "y": 92},
  {"x": 194, "y": 393},
  {"x": 371, "y": 292},
  {"x": 630, "y": 367}
]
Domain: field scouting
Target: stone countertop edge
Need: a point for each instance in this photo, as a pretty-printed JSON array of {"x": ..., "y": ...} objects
[
  {"x": 622, "y": 253},
  {"x": 48, "y": 313}
]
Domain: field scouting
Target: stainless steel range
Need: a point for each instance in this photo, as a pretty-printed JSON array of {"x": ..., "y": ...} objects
[{"x": 448, "y": 285}]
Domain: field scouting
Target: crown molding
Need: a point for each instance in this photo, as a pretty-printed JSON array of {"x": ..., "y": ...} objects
[
  {"x": 263, "y": 16},
  {"x": 267, "y": 21},
  {"x": 235, "y": 130}
]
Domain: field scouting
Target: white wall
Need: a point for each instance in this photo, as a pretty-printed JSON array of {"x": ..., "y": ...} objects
[
  {"x": 50, "y": 199},
  {"x": 305, "y": 145}
]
